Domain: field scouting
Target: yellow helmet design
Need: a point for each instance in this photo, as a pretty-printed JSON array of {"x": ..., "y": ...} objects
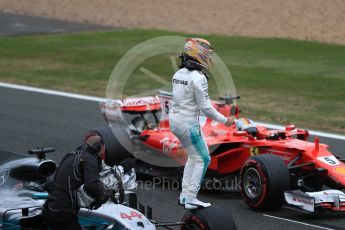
[{"x": 200, "y": 50}]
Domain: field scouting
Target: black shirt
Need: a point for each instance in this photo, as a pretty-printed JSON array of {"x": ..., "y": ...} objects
[{"x": 77, "y": 168}]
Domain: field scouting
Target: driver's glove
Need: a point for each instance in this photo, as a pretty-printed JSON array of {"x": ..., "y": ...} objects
[{"x": 108, "y": 194}]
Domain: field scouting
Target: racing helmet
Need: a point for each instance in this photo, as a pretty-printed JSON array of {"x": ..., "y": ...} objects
[
  {"x": 199, "y": 51},
  {"x": 244, "y": 124}
]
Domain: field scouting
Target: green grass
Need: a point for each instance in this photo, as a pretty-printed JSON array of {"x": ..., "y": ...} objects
[{"x": 280, "y": 80}]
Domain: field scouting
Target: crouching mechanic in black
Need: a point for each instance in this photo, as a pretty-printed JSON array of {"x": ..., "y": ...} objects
[{"x": 77, "y": 168}]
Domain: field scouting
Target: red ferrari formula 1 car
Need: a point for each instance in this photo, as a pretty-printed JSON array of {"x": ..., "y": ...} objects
[{"x": 269, "y": 167}]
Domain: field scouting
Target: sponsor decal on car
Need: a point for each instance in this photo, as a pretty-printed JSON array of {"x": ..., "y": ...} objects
[
  {"x": 140, "y": 101},
  {"x": 254, "y": 151},
  {"x": 303, "y": 200},
  {"x": 339, "y": 170},
  {"x": 168, "y": 144},
  {"x": 286, "y": 158},
  {"x": 300, "y": 200},
  {"x": 131, "y": 102},
  {"x": 283, "y": 155}
]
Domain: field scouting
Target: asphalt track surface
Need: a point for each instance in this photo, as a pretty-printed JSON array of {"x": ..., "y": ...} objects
[
  {"x": 12, "y": 24},
  {"x": 29, "y": 119}
]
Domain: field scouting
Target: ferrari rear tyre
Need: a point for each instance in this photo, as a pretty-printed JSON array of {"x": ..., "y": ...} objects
[
  {"x": 212, "y": 218},
  {"x": 115, "y": 152},
  {"x": 264, "y": 178}
]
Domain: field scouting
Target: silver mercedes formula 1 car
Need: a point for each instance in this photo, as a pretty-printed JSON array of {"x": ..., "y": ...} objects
[{"x": 24, "y": 182}]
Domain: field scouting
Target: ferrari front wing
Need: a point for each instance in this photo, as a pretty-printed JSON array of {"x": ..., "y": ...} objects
[{"x": 331, "y": 200}]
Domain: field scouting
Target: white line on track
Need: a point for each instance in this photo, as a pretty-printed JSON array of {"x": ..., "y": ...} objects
[
  {"x": 297, "y": 222},
  {"x": 52, "y": 92},
  {"x": 99, "y": 99}
]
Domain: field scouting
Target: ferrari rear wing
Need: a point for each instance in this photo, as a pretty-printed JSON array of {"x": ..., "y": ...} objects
[{"x": 112, "y": 108}]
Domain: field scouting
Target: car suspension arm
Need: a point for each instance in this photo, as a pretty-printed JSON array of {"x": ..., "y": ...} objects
[
  {"x": 166, "y": 225},
  {"x": 301, "y": 165},
  {"x": 294, "y": 160}
]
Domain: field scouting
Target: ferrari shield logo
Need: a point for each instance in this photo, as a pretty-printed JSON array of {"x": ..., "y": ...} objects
[{"x": 254, "y": 151}]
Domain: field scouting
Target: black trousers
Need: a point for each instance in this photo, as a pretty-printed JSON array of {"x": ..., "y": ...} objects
[{"x": 61, "y": 220}]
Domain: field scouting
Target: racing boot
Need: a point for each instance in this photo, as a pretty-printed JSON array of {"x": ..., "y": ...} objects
[
  {"x": 181, "y": 200},
  {"x": 194, "y": 203}
]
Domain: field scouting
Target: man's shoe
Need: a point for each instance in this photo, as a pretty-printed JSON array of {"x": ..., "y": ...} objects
[
  {"x": 190, "y": 206},
  {"x": 194, "y": 202},
  {"x": 181, "y": 201}
]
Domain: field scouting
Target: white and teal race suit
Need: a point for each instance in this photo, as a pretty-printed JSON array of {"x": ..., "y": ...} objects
[{"x": 190, "y": 96}]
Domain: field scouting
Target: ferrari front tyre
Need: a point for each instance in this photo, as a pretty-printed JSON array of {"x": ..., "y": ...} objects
[
  {"x": 212, "y": 218},
  {"x": 264, "y": 178}
]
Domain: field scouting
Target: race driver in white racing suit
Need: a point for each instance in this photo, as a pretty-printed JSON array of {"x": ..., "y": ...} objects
[{"x": 190, "y": 96}]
